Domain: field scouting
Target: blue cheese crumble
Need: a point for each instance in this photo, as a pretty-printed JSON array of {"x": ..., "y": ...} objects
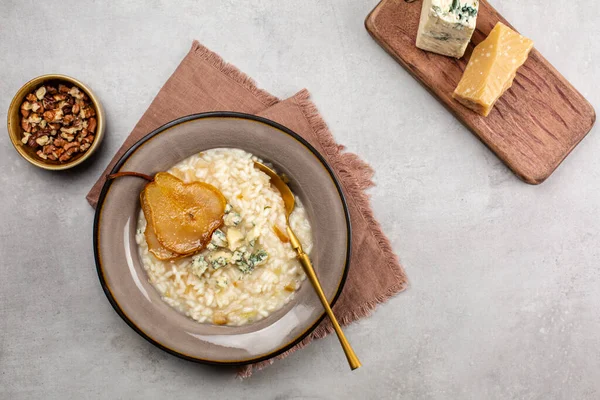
[
  {"x": 199, "y": 265},
  {"x": 232, "y": 245}
]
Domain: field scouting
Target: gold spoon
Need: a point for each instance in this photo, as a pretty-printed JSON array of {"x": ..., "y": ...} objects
[{"x": 289, "y": 202}]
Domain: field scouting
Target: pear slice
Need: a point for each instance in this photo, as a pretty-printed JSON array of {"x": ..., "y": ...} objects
[
  {"x": 154, "y": 245},
  {"x": 183, "y": 215}
]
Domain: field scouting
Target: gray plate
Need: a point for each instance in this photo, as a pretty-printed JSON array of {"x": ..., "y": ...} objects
[{"x": 125, "y": 282}]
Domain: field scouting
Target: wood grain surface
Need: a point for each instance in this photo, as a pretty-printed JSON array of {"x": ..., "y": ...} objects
[{"x": 532, "y": 127}]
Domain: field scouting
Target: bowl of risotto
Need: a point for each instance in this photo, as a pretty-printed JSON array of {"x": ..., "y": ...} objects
[{"x": 208, "y": 274}]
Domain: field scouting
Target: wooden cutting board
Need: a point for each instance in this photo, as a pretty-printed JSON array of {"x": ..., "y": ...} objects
[{"x": 532, "y": 127}]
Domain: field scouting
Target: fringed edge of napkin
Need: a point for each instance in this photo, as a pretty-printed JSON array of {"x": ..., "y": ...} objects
[
  {"x": 233, "y": 73},
  {"x": 356, "y": 176}
]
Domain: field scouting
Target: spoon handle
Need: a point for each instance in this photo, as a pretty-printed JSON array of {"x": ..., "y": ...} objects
[{"x": 308, "y": 268}]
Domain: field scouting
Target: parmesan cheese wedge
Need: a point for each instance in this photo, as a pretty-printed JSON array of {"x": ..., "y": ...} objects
[{"x": 492, "y": 68}]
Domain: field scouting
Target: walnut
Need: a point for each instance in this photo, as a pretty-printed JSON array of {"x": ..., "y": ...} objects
[
  {"x": 35, "y": 106},
  {"x": 84, "y": 147},
  {"x": 25, "y": 137},
  {"x": 41, "y": 154},
  {"x": 34, "y": 119},
  {"x": 76, "y": 93},
  {"x": 43, "y": 123},
  {"x": 67, "y": 136},
  {"x": 60, "y": 97},
  {"x": 88, "y": 139},
  {"x": 92, "y": 125},
  {"x": 25, "y": 109},
  {"x": 49, "y": 115},
  {"x": 43, "y": 140},
  {"x": 31, "y": 97},
  {"x": 68, "y": 119},
  {"x": 87, "y": 112},
  {"x": 58, "y": 115},
  {"x": 63, "y": 88},
  {"x": 49, "y": 149},
  {"x": 59, "y": 142},
  {"x": 49, "y": 103},
  {"x": 68, "y": 154},
  {"x": 25, "y": 125},
  {"x": 40, "y": 93},
  {"x": 31, "y": 142},
  {"x": 69, "y": 131},
  {"x": 70, "y": 145},
  {"x": 81, "y": 135}
]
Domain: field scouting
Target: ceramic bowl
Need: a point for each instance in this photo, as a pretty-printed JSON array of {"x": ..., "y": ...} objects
[
  {"x": 124, "y": 279},
  {"x": 15, "y": 131}
]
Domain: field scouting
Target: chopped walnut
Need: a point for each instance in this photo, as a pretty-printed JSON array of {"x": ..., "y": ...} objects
[
  {"x": 68, "y": 118},
  {"x": 92, "y": 125},
  {"x": 42, "y": 141},
  {"x": 25, "y": 125},
  {"x": 53, "y": 115},
  {"x": 49, "y": 149},
  {"x": 40, "y": 93},
  {"x": 68, "y": 131},
  {"x": 26, "y": 109},
  {"x": 69, "y": 138},
  {"x": 49, "y": 115},
  {"x": 34, "y": 119},
  {"x": 60, "y": 142}
]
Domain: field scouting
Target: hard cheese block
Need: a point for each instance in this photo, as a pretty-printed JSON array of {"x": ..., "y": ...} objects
[
  {"x": 492, "y": 68},
  {"x": 446, "y": 26}
]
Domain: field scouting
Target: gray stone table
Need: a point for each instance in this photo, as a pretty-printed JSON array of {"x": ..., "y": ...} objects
[{"x": 504, "y": 300}]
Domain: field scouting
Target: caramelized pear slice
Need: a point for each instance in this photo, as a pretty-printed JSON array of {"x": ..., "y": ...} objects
[
  {"x": 183, "y": 215},
  {"x": 154, "y": 245}
]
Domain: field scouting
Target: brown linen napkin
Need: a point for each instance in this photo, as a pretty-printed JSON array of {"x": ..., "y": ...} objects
[{"x": 204, "y": 82}]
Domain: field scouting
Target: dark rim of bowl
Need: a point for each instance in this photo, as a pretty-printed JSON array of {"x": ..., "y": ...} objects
[{"x": 218, "y": 114}]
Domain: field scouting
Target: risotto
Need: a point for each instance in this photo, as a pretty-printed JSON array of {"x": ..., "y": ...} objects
[{"x": 249, "y": 269}]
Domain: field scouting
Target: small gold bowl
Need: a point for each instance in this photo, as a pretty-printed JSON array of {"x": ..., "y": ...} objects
[{"x": 15, "y": 130}]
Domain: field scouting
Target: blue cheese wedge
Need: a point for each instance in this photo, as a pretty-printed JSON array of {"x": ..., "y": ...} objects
[{"x": 446, "y": 26}]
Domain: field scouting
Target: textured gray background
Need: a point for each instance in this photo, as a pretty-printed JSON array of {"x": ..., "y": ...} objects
[{"x": 505, "y": 288}]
